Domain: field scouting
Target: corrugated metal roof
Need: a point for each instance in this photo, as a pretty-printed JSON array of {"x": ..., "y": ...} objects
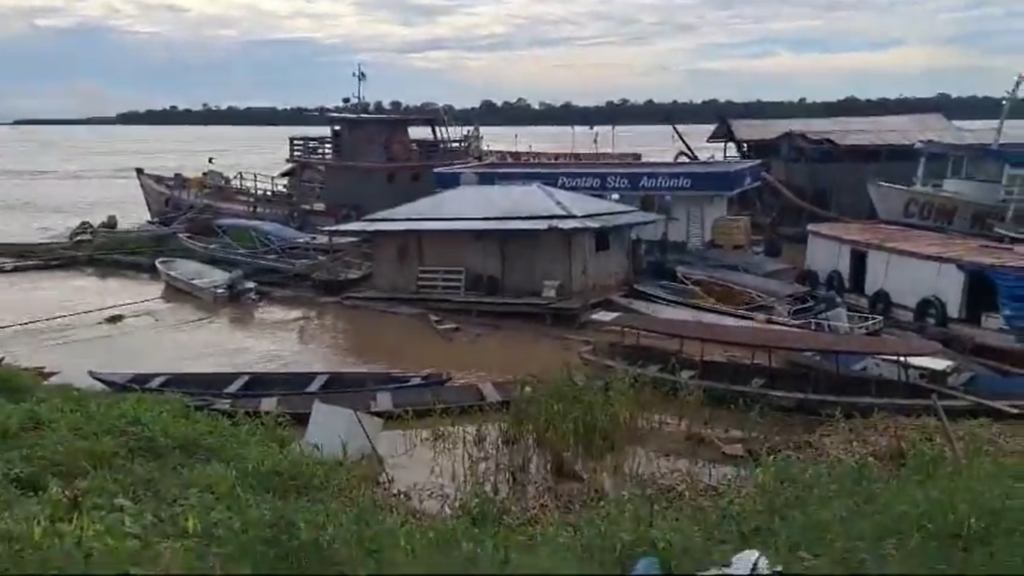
[
  {"x": 921, "y": 243},
  {"x": 901, "y": 130},
  {"x": 504, "y": 207}
]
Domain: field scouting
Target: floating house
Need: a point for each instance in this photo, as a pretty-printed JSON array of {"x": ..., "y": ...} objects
[
  {"x": 918, "y": 274},
  {"x": 692, "y": 195},
  {"x": 828, "y": 162},
  {"x": 484, "y": 247}
]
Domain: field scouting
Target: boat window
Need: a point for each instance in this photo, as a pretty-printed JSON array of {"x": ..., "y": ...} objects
[
  {"x": 956, "y": 167},
  {"x": 984, "y": 169},
  {"x": 602, "y": 241},
  {"x": 390, "y": 178},
  {"x": 1014, "y": 183},
  {"x": 415, "y": 177}
]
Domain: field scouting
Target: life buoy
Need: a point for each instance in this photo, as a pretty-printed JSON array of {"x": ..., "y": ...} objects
[
  {"x": 809, "y": 278},
  {"x": 834, "y": 282},
  {"x": 880, "y": 303},
  {"x": 931, "y": 308}
]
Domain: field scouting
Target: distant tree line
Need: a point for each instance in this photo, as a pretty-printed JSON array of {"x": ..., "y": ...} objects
[{"x": 521, "y": 112}]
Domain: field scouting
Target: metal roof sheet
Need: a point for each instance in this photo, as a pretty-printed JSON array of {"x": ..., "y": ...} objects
[
  {"x": 921, "y": 243},
  {"x": 899, "y": 130},
  {"x": 506, "y": 207},
  {"x": 591, "y": 222}
]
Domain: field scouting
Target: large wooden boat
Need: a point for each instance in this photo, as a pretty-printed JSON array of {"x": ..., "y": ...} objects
[{"x": 367, "y": 163}]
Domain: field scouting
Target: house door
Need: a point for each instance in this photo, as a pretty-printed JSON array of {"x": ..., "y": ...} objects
[{"x": 521, "y": 262}]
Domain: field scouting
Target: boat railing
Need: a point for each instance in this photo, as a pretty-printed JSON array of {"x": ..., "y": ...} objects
[
  {"x": 310, "y": 148},
  {"x": 856, "y": 323},
  {"x": 261, "y": 184}
]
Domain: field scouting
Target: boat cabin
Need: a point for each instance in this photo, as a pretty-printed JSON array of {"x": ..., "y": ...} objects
[
  {"x": 921, "y": 275},
  {"x": 982, "y": 173},
  {"x": 691, "y": 195},
  {"x": 528, "y": 241},
  {"x": 372, "y": 162}
]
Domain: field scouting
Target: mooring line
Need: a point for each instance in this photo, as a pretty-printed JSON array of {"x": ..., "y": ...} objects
[{"x": 83, "y": 312}]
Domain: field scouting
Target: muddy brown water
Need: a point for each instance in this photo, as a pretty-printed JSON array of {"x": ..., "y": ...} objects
[{"x": 176, "y": 332}]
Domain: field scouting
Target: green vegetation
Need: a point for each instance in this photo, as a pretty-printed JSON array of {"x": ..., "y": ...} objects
[
  {"x": 521, "y": 112},
  {"x": 97, "y": 482}
]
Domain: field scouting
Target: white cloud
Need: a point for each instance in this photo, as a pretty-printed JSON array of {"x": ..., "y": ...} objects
[{"x": 595, "y": 48}]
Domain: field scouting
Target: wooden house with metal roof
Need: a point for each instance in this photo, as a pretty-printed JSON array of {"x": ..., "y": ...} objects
[{"x": 527, "y": 245}]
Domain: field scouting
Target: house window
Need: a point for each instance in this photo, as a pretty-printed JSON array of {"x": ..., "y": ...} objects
[{"x": 602, "y": 241}]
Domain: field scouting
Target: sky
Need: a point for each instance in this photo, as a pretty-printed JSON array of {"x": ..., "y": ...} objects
[{"x": 96, "y": 57}]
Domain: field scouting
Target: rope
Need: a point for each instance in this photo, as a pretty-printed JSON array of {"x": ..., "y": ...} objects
[{"x": 69, "y": 315}]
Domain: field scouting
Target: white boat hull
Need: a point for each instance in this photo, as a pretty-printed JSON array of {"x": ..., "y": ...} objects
[
  {"x": 203, "y": 281},
  {"x": 933, "y": 208}
]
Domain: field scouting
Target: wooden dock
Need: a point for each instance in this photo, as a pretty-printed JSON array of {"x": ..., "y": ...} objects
[{"x": 548, "y": 308}]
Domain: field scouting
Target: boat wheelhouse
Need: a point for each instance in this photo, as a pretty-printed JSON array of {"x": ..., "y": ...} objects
[
  {"x": 967, "y": 184},
  {"x": 367, "y": 163},
  {"x": 919, "y": 275},
  {"x": 960, "y": 188},
  {"x": 692, "y": 195}
]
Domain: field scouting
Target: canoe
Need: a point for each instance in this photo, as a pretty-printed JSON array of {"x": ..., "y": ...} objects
[
  {"x": 203, "y": 281},
  {"x": 785, "y": 389},
  {"x": 389, "y": 404},
  {"x": 261, "y": 384}
]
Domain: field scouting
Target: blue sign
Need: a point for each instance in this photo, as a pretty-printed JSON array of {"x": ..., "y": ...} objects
[{"x": 703, "y": 178}]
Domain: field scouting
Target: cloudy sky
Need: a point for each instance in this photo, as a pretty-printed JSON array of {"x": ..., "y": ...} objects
[{"x": 75, "y": 57}]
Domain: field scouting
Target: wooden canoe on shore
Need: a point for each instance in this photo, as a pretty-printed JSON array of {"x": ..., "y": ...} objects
[
  {"x": 392, "y": 404},
  {"x": 261, "y": 384},
  {"x": 788, "y": 389}
]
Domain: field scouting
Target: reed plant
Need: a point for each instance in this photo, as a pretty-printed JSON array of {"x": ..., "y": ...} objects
[{"x": 141, "y": 483}]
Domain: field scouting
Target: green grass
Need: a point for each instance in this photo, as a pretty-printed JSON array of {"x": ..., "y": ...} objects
[{"x": 93, "y": 482}]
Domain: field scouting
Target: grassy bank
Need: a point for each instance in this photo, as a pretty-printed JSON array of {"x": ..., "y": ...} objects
[{"x": 93, "y": 482}]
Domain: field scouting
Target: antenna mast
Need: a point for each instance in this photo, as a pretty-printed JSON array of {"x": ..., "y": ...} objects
[
  {"x": 360, "y": 77},
  {"x": 1012, "y": 95}
]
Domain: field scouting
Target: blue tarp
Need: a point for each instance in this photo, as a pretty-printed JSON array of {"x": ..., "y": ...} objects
[
  {"x": 626, "y": 178},
  {"x": 1010, "y": 285}
]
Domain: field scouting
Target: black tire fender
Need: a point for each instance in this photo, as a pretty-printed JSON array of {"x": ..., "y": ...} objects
[
  {"x": 772, "y": 247},
  {"x": 834, "y": 282},
  {"x": 931, "y": 307},
  {"x": 809, "y": 278},
  {"x": 880, "y": 303}
]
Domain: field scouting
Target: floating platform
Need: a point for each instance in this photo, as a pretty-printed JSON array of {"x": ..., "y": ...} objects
[
  {"x": 549, "y": 308},
  {"x": 625, "y": 178}
]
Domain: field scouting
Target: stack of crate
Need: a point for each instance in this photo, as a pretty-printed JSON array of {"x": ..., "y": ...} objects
[{"x": 732, "y": 232}]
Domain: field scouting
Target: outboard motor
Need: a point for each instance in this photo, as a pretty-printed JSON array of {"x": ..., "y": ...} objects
[{"x": 236, "y": 285}]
